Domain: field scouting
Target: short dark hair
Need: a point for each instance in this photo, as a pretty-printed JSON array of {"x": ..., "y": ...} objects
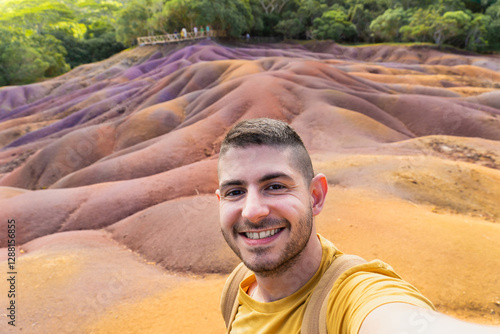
[{"x": 270, "y": 132}]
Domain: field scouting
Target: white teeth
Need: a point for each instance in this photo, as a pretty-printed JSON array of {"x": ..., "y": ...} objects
[{"x": 261, "y": 235}]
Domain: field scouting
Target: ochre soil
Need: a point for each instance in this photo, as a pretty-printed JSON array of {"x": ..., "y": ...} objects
[
  {"x": 84, "y": 282},
  {"x": 110, "y": 172}
]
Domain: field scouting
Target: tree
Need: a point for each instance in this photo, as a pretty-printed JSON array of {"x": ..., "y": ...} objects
[
  {"x": 419, "y": 28},
  {"x": 299, "y": 21},
  {"x": 130, "y": 22},
  {"x": 494, "y": 11},
  {"x": 334, "y": 25},
  {"x": 477, "y": 32},
  {"x": 386, "y": 26},
  {"x": 451, "y": 24},
  {"x": 444, "y": 6},
  {"x": 290, "y": 28},
  {"x": 361, "y": 17},
  {"x": 478, "y": 6},
  {"x": 52, "y": 53},
  {"x": 34, "y": 14},
  {"x": 260, "y": 28},
  {"x": 410, "y": 4},
  {"x": 492, "y": 35},
  {"x": 36, "y": 34},
  {"x": 178, "y": 14},
  {"x": 309, "y": 10},
  {"x": 19, "y": 62},
  {"x": 233, "y": 16},
  {"x": 28, "y": 53},
  {"x": 273, "y": 6},
  {"x": 375, "y": 7}
]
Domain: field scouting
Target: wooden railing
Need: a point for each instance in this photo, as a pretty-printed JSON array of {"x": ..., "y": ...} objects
[{"x": 171, "y": 38}]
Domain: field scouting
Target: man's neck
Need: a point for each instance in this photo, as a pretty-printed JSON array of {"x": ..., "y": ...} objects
[{"x": 268, "y": 289}]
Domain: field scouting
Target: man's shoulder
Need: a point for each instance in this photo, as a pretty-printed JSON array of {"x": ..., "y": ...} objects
[
  {"x": 363, "y": 288},
  {"x": 332, "y": 256},
  {"x": 229, "y": 297}
]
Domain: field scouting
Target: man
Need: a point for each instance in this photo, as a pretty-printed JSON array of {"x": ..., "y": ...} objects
[{"x": 268, "y": 197}]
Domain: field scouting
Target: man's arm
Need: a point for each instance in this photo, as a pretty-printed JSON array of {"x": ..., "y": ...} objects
[{"x": 398, "y": 318}]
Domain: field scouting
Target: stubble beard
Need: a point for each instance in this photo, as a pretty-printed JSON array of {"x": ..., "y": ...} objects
[{"x": 299, "y": 238}]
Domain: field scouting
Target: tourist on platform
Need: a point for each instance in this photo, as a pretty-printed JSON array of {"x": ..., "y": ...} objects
[
  {"x": 184, "y": 33},
  {"x": 195, "y": 30}
]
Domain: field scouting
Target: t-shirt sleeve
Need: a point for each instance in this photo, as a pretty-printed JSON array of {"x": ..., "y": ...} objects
[{"x": 363, "y": 288}]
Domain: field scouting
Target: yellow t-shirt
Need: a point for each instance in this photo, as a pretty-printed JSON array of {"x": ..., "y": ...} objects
[{"x": 355, "y": 294}]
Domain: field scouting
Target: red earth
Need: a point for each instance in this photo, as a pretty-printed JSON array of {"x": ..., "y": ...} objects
[{"x": 109, "y": 172}]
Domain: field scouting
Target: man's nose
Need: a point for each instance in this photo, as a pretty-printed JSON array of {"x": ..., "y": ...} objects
[{"x": 255, "y": 207}]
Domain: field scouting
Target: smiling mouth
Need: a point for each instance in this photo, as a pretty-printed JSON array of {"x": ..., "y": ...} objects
[{"x": 261, "y": 235}]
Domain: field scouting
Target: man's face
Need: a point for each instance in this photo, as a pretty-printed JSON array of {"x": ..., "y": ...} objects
[{"x": 265, "y": 207}]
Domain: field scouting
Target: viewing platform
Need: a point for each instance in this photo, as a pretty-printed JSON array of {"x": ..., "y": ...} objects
[{"x": 175, "y": 38}]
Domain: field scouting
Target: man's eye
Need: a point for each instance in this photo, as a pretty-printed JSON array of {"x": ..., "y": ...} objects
[
  {"x": 233, "y": 193},
  {"x": 276, "y": 187}
]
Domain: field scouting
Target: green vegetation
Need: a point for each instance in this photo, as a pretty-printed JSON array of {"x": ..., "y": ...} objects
[{"x": 44, "y": 38}]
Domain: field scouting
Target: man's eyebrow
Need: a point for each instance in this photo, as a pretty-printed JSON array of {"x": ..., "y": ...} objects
[
  {"x": 275, "y": 176},
  {"x": 267, "y": 177},
  {"x": 231, "y": 183}
]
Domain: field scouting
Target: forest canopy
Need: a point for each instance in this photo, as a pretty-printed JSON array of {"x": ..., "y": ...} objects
[{"x": 45, "y": 38}]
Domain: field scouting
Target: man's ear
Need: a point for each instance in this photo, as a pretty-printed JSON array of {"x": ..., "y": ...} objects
[
  {"x": 217, "y": 193},
  {"x": 318, "y": 190}
]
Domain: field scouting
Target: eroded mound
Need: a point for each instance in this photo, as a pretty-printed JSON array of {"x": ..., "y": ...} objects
[{"x": 182, "y": 235}]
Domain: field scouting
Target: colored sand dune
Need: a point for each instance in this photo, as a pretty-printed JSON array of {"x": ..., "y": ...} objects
[{"x": 110, "y": 173}]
